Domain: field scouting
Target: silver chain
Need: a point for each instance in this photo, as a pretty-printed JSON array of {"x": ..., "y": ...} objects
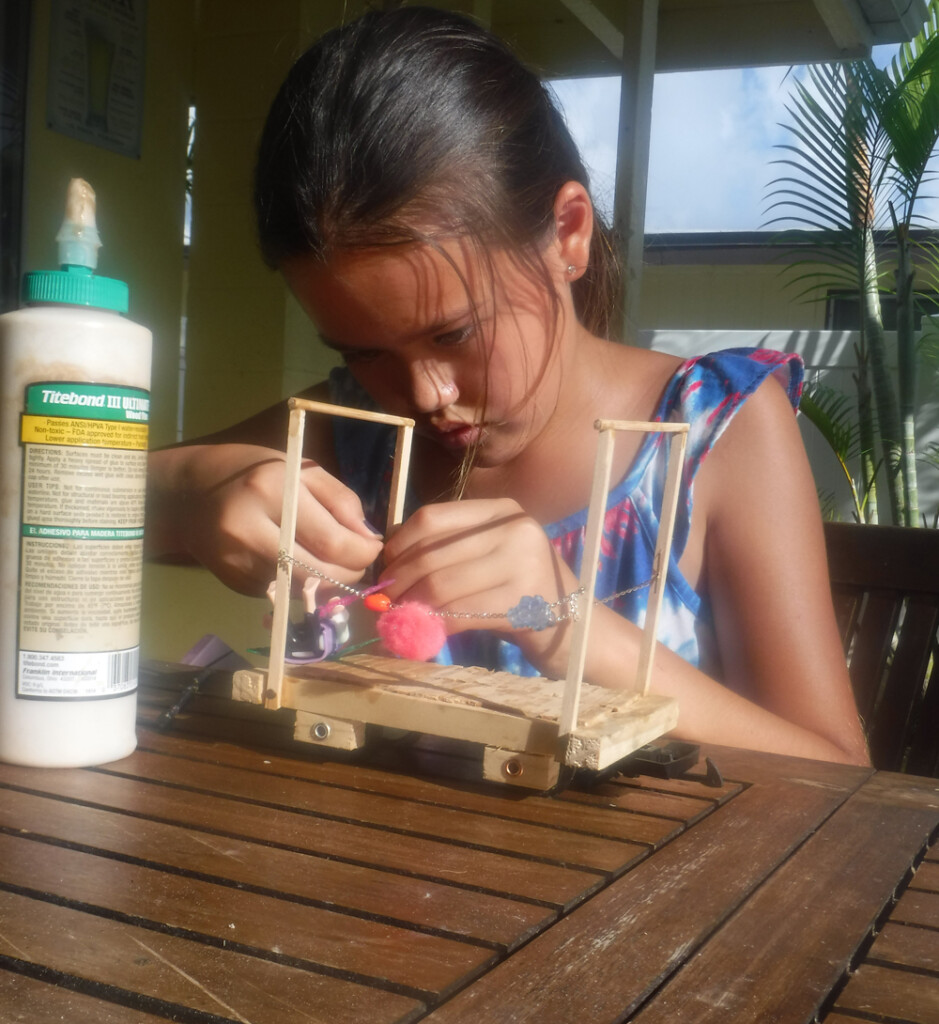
[
  {"x": 572, "y": 600},
  {"x": 569, "y": 599},
  {"x": 284, "y": 560}
]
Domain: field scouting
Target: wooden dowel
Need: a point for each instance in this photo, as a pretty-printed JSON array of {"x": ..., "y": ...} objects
[
  {"x": 661, "y": 557},
  {"x": 603, "y": 466},
  {"x": 288, "y": 530},
  {"x": 349, "y": 413},
  {"x": 643, "y": 426},
  {"x": 399, "y": 475}
]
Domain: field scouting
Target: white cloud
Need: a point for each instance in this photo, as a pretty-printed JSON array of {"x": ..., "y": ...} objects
[
  {"x": 711, "y": 132},
  {"x": 591, "y": 109},
  {"x": 712, "y": 147},
  {"x": 712, "y": 138}
]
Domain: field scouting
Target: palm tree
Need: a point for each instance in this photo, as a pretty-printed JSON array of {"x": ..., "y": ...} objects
[{"x": 862, "y": 138}]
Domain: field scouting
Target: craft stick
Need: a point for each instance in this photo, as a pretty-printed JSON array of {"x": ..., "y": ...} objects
[
  {"x": 288, "y": 530},
  {"x": 643, "y": 426},
  {"x": 349, "y": 412},
  {"x": 399, "y": 474},
  {"x": 603, "y": 466},
  {"x": 660, "y": 559}
]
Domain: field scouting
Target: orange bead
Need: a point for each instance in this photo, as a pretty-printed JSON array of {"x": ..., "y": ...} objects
[{"x": 378, "y": 602}]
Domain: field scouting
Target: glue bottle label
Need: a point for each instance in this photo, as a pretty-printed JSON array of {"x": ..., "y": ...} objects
[{"x": 84, "y": 478}]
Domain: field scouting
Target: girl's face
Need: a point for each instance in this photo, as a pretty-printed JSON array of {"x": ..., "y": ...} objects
[{"x": 467, "y": 350}]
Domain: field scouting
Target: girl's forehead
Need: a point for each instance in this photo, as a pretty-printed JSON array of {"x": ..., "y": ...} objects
[
  {"x": 451, "y": 270},
  {"x": 399, "y": 287},
  {"x": 397, "y": 291}
]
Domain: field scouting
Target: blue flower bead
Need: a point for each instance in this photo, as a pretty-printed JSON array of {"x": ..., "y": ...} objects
[{"x": 531, "y": 613}]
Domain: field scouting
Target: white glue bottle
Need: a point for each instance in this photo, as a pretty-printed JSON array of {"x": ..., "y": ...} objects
[{"x": 74, "y": 412}]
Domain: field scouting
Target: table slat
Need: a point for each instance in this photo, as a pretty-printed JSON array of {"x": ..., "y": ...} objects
[
  {"x": 324, "y": 882},
  {"x": 881, "y": 993},
  {"x": 452, "y": 824},
  {"x": 919, "y": 908},
  {"x": 421, "y": 857},
  {"x": 371, "y": 951},
  {"x": 646, "y": 816},
  {"x": 926, "y": 877},
  {"x": 27, "y": 1001},
  {"x": 901, "y": 946},
  {"x": 143, "y": 965},
  {"x": 747, "y": 969}
]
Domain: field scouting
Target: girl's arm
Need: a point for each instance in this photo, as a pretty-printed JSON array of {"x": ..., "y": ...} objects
[
  {"x": 764, "y": 564},
  {"x": 767, "y": 574},
  {"x": 217, "y": 501}
]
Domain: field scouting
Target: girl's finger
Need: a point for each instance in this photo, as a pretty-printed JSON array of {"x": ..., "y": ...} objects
[
  {"x": 341, "y": 550},
  {"x": 433, "y": 526},
  {"x": 340, "y": 501}
]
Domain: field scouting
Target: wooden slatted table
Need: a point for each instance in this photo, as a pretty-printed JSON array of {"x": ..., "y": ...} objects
[{"x": 216, "y": 878}]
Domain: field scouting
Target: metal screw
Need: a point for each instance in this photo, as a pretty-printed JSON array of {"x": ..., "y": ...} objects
[
  {"x": 513, "y": 768},
  {"x": 320, "y": 731}
]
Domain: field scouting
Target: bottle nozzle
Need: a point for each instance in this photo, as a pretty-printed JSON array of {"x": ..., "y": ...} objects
[{"x": 78, "y": 237}]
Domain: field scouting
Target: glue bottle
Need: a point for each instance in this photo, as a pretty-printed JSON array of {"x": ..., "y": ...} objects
[{"x": 74, "y": 413}]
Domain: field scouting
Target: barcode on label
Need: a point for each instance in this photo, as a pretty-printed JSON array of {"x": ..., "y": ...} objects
[{"x": 122, "y": 668}]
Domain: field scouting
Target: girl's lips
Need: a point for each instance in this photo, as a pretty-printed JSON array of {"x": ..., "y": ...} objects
[{"x": 456, "y": 435}]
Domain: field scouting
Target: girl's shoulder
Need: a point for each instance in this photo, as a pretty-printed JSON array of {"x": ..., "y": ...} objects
[{"x": 654, "y": 385}]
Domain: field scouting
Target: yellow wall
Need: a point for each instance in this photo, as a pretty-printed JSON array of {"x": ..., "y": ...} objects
[
  {"x": 140, "y": 201},
  {"x": 248, "y": 344},
  {"x": 723, "y": 297}
]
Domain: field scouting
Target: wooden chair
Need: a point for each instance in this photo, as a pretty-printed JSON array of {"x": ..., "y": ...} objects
[{"x": 885, "y": 584}]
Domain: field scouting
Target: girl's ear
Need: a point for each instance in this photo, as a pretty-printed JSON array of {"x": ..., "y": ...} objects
[{"x": 573, "y": 220}]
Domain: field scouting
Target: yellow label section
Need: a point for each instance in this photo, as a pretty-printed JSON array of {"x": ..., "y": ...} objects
[{"x": 88, "y": 433}]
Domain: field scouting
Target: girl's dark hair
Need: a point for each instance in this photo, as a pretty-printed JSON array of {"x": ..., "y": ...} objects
[{"x": 418, "y": 116}]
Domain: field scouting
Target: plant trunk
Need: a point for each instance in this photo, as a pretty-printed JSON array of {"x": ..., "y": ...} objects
[
  {"x": 865, "y": 416},
  {"x": 888, "y": 420},
  {"x": 906, "y": 374}
]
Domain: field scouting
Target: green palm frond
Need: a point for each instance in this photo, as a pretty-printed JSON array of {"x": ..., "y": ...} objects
[
  {"x": 905, "y": 101},
  {"x": 833, "y": 414}
]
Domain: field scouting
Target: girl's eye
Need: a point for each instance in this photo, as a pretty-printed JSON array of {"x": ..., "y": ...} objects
[{"x": 456, "y": 336}]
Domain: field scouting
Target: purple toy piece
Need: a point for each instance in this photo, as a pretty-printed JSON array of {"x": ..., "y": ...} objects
[{"x": 312, "y": 639}]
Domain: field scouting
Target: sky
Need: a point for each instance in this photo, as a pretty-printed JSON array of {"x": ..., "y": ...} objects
[{"x": 712, "y": 143}]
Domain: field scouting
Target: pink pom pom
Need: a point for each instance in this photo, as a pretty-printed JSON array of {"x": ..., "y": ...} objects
[{"x": 410, "y": 631}]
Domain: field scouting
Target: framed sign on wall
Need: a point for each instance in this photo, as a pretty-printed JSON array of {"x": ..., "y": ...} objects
[{"x": 96, "y": 72}]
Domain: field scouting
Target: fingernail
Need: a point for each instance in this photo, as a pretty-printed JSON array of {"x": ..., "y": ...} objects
[{"x": 371, "y": 528}]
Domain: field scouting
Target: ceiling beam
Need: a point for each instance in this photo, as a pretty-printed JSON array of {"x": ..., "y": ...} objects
[
  {"x": 593, "y": 19},
  {"x": 845, "y": 21}
]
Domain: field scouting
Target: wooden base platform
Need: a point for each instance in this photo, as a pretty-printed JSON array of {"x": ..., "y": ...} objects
[{"x": 515, "y": 718}]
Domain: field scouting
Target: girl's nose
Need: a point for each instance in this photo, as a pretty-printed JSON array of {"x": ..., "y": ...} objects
[{"x": 431, "y": 387}]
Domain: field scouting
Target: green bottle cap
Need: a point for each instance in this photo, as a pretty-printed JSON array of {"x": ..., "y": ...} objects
[{"x": 75, "y": 286}]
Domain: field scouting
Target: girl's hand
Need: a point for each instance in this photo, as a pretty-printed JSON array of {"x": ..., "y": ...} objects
[
  {"x": 481, "y": 556},
  {"x": 220, "y": 504}
]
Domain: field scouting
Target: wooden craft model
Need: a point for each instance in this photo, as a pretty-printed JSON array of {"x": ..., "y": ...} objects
[{"x": 528, "y": 726}]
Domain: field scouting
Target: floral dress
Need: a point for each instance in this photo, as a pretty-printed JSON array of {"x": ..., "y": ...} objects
[{"x": 706, "y": 392}]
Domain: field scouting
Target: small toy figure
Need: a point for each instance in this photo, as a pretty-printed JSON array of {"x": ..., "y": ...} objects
[{"x": 321, "y": 631}]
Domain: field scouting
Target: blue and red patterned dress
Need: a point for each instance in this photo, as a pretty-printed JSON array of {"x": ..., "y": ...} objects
[{"x": 705, "y": 392}]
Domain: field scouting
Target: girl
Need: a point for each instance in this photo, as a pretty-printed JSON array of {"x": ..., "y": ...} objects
[{"x": 424, "y": 201}]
